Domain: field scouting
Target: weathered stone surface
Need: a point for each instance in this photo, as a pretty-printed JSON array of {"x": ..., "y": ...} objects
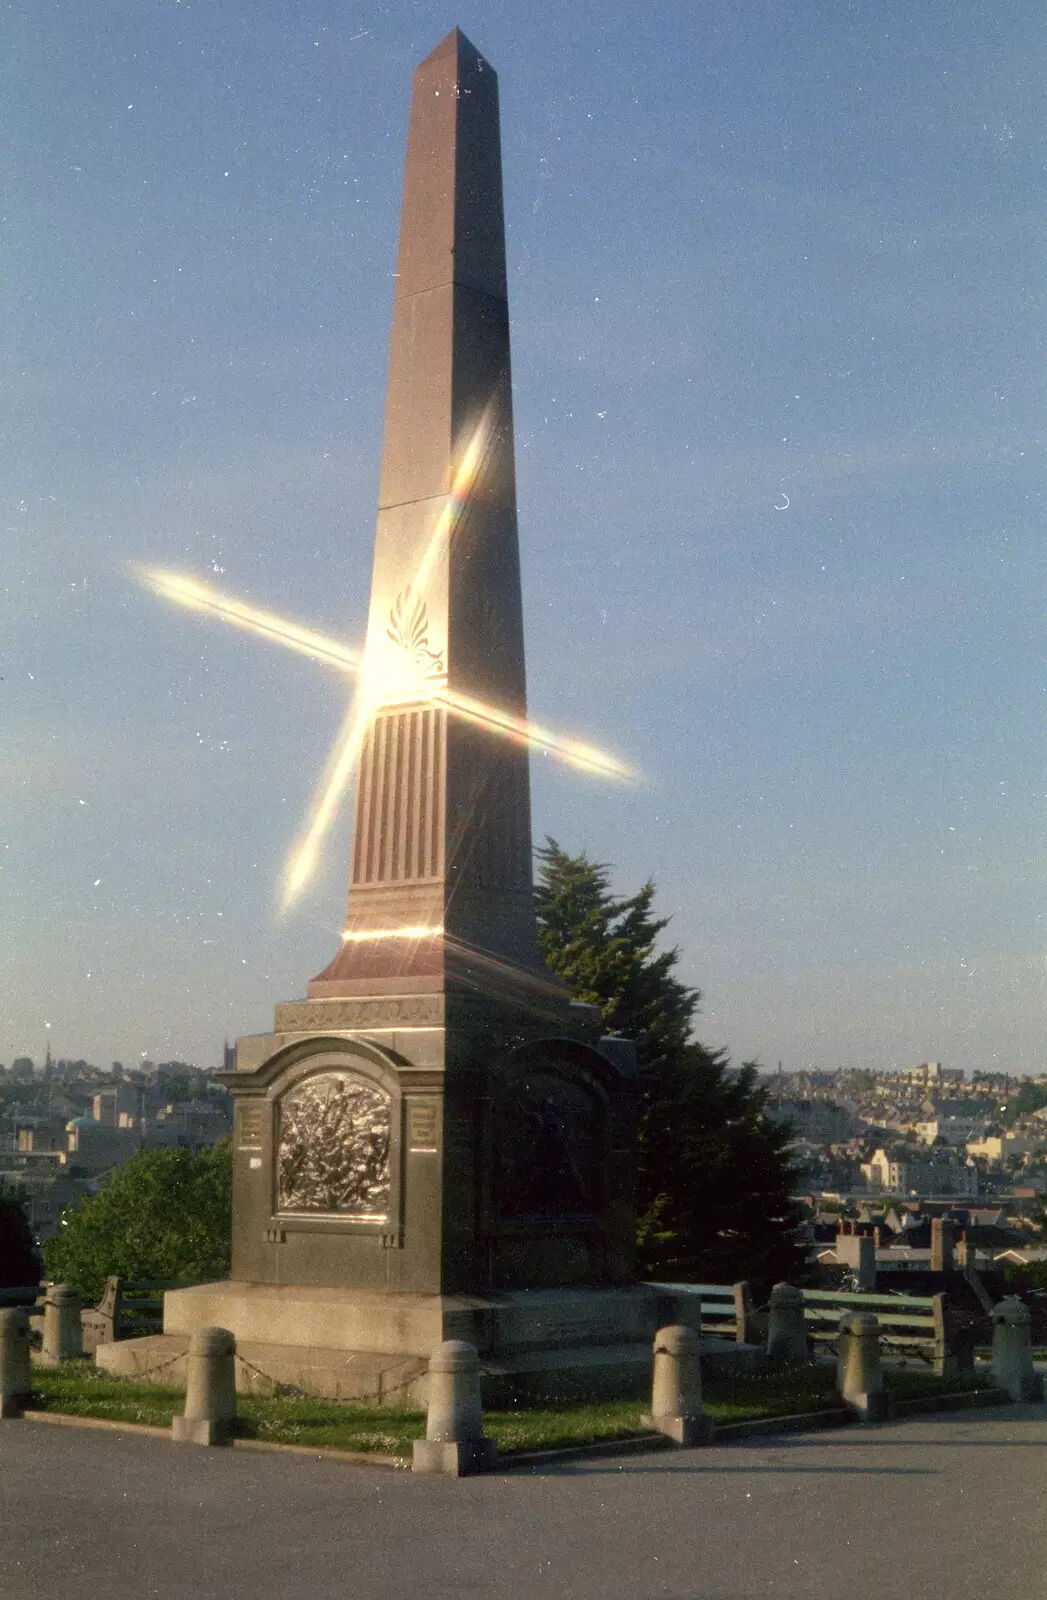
[
  {"x": 1011, "y": 1365},
  {"x": 676, "y": 1387},
  {"x": 15, "y": 1372},
  {"x": 859, "y": 1372},
  {"x": 454, "y": 1440},
  {"x": 311, "y": 1016},
  {"x": 63, "y": 1333},
  {"x": 210, "y": 1398},
  {"x": 786, "y": 1329},
  {"x": 437, "y": 1119}
]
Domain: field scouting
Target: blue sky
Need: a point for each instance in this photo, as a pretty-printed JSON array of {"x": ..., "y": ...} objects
[{"x": 757, "y": 254}]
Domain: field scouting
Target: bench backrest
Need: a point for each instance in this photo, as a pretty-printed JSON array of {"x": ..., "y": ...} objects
[
  {"x": 128, "y": 1300},
  {"x": 718, "y": 1304},
  {"x": 30, "y": 1299},
  {"x": 910, "y": 1321}
]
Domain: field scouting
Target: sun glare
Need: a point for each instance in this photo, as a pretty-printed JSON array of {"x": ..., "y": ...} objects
[{"x": 376, "y": 687}]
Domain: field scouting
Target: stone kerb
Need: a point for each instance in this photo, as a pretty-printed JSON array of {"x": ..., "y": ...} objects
[
  {"x": 454, "y": 1440},
  {"x": 676, "y": 1388},
  {"x": 786, "y": 1331},
  {"x": 15, "y": 1373},
  {"x": 63, "y": 1335},
  {"x": 859, "y": 1373},
  {"x": 1011, "y": 1365},
  {"x": 210, "y": 1396}
]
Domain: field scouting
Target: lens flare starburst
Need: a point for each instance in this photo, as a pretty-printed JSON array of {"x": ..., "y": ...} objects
[{"x": 375, "y": 685}]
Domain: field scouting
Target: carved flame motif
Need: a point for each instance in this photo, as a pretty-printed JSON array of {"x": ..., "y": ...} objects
[{"x": 409, "y": 628}]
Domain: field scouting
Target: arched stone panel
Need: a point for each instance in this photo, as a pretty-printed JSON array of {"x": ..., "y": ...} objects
[
  {"x": 547, "y": 1145},
  {"x": 557, "y": 1204}
]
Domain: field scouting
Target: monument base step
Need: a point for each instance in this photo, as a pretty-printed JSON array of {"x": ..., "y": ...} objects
[
  {"x": 374, "y": 1378},
  {"x": 355, "y": 1320},
  {"x": 365, "y": 1377}
]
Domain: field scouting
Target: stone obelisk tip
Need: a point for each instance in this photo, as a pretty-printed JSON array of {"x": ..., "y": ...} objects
[{"x": 457, "y": 44}]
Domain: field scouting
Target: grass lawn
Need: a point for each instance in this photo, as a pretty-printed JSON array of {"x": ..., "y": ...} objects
[
  {"x": 786, "y": 1390},
  {"x": 78, "y": 1389}
]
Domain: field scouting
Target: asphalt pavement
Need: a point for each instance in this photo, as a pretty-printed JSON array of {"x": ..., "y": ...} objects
[{"x": 935, "y": 1508}]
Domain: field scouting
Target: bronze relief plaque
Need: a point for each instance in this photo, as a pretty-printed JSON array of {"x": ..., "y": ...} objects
[{"x": 333, "y": 1148}]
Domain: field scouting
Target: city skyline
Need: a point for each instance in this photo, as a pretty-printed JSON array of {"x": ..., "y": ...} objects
[{"x": 775, "y": 370}]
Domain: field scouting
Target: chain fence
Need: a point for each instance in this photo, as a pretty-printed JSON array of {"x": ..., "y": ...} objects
[{"x": 380, "y": 1396}]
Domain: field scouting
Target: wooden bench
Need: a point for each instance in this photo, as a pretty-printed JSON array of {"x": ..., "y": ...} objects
[
  {"x": 30, "y": 1298},
  {"x": 725, "y": 1310},
  {"x": 918, "y": 1325},
  {"x": 134, "y": 1300}
]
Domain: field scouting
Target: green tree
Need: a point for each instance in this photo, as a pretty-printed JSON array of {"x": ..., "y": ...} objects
[
  {"x": 1030, "y": 1097},
  {"x": 20, "y": 1263},
  {"x": 162, "y": 1214},
  {"x": 713, "y": 1175}
]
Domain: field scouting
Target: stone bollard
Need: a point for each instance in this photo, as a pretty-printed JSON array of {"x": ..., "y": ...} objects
[
  {"x": 15, "y": 1374},
  {"x": 676, "y": 1389},
  {"x": 63, "y": 1334},
  {"x": 1011, "y": 1365},
  {"x": 210, "y": 1391},
  {"x": 454, "y": 1440},
  {"x": 859, "y": 1375},
  {"x": 786, "y": 1333}
]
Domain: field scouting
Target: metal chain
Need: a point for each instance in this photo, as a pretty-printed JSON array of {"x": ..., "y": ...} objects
[
  {"x": 378, "y": 1395},
  {"x": 160, "y": 1366}
]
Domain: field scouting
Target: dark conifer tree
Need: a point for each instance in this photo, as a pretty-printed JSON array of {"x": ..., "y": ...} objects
[
  {"x": 713, "y": 1175},
  {"x": 20, "y": 1264}
]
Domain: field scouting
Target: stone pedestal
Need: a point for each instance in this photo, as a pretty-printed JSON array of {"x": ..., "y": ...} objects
[
  {"x": 786, "y": 1329},
  {"x": 63, "y": 1336},
  {"x": 458, "y": 1169},
  {"x": 374, "y": 1347},
  {"x": 1011, "y": 1365},
  {"x": 859, "y": 1374},
  {"x": 210, "y": 1399},
  {"x": 454, "y": 1441},
  {"x": 676, "y": 1388},
  {"x": 16, "y": 1379},
  {"x": 452, "y": 1147}
]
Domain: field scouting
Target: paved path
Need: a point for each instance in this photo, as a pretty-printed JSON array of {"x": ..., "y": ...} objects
[{"x": 949, "y": 1508}]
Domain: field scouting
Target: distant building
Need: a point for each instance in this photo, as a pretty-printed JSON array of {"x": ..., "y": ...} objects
[
  {"x": 94, "y": 1148},
  {"x": 938, "y": 1174},
  {"x": 955, "y": 1131},
  {"x": 190, "y": 1124},
  {"x": 819, "y": 1121},
  {"x": 120, "y": 1105},
  {"x": 1000, "y": 1149},
  {"x": 931, "y": 1072}
]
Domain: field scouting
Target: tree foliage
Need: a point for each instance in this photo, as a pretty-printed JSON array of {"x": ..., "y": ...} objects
[
  {"x": 162, "y": 1214},
  {"x": 1030, "y": 1097},
  {"x": 713, "y": 1176},
  {"x": 20, "y": 1263}
]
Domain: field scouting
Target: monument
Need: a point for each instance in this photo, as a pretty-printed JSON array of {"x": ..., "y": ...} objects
[{"x": 436, "y": 1143}]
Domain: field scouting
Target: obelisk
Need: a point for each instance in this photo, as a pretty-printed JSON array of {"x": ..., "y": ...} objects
[
  {"x": 436, "y": 1134},
  {"x": 441, "y": 875}
]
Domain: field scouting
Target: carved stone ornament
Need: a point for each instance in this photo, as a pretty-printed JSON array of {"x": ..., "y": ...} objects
[
  {"x": 546, "y": 1148},
  {"x": 409, "y": 628},
  {"x": 333, "y": 1150},
  {"x": 409, "y": 1011}
]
